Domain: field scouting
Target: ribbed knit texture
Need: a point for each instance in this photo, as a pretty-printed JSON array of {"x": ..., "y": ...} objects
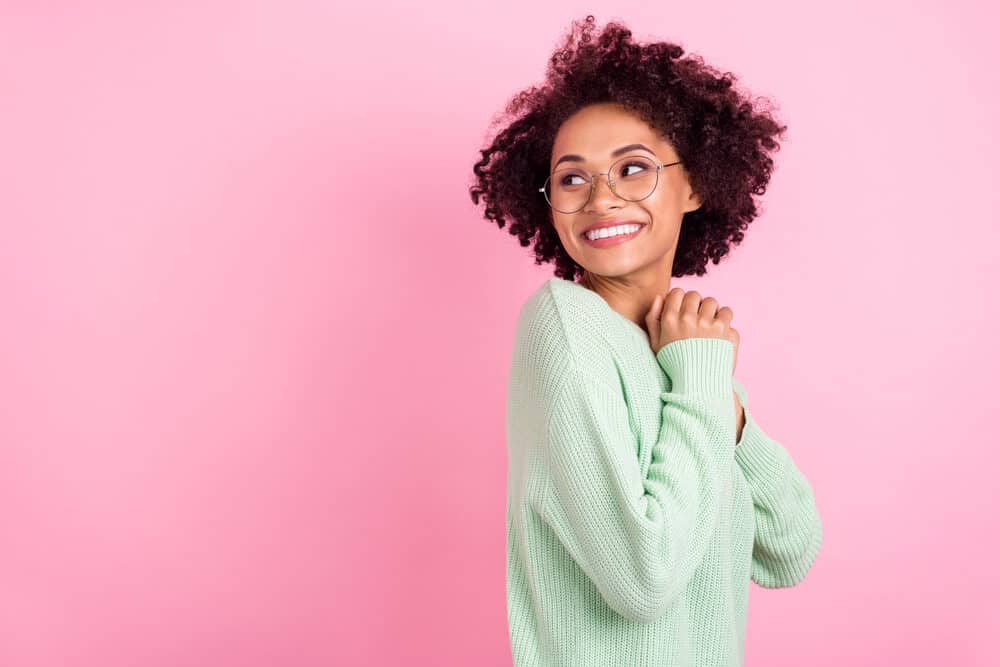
[{"x": 635, "y": 522}]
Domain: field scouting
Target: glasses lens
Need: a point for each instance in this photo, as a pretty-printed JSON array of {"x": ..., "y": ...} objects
[
  {"x": 568, "y": 189},
  {"x": 634, "y": 177}
]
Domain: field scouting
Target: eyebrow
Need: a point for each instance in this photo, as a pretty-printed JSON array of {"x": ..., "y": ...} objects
[{"x": 615, "y": 153}]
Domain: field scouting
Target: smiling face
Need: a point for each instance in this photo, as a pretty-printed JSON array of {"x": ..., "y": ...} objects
[{"x": 595, "y": 134}]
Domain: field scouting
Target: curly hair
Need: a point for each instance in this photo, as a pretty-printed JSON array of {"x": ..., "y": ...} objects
[{"x": 723, "y": 140}]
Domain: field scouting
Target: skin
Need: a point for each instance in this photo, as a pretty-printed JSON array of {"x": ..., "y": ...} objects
[{"x": 631, "y": 275}]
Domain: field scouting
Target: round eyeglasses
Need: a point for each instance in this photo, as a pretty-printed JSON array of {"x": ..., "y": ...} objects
[{"x": 634, "y": 178}]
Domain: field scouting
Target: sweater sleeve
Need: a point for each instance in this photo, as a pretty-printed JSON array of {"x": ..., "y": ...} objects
[
  {"x": 788, "y": 529},
  {"x": 639, "y": 538}
]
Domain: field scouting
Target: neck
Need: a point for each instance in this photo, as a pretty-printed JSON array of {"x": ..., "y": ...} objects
[{"x": 631, "y": 296}]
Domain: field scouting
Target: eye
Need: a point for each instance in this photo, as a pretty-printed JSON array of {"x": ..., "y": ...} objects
[
  {"x": 566, "y": 179},
  {"x": 638, "y": 164}
]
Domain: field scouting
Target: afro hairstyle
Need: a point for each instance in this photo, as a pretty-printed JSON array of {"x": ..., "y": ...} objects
[{"x": 723, "y": 140}]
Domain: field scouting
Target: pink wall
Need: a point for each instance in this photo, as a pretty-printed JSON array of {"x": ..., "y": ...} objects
[{"x": 253, "y": 404}]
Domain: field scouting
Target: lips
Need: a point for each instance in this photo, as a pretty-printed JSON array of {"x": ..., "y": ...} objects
[
  {"x": 608, "y": 223},
  {"x": 611, "y": 241}
]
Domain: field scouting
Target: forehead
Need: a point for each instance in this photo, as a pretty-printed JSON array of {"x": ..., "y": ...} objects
[{"x": 595, "y": 131}]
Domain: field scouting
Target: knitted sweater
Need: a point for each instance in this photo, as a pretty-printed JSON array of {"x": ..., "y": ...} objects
[{"x": 635, "y": 521}]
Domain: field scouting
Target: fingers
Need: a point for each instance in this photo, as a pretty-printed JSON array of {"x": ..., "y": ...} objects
[
  {"x": 708, "y": 308},
  {"x": 690, "y": 302},
  {"x": 682, "y": 314},
  {"x": 672, "y": 304}
]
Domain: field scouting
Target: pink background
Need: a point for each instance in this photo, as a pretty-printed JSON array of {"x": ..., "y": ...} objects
[{"x": 253, "y": 402}]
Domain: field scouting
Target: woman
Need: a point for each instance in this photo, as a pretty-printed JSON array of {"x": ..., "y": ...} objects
[{"x": 643, "y": 497}]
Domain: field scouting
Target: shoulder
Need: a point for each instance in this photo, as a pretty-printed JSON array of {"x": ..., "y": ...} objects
[
  {"x": 563, "y": 326},
  {"x": 558, "y": 313},
  {"x": 540, "y": 337}
]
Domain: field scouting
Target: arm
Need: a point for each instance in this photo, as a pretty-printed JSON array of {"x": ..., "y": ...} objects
[
  {"x": 640, "y": 538},
  {"x": 788, "y": 528}
]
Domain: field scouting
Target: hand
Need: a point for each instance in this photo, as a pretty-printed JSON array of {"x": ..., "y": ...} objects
[{"x": 683, "y": 315}]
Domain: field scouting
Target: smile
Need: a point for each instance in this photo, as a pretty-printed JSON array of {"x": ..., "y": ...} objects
[{"x": 611, "y": 236}]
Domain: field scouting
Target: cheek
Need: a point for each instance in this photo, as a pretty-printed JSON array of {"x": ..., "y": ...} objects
[
  {"x": 563, "y": 226},
  {"x": 664, "y": 200},
  {"x": 666, "y": 210}
]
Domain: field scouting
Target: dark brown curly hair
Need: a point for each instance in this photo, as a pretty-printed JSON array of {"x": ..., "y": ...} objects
[{"x": 722, "y": 139}]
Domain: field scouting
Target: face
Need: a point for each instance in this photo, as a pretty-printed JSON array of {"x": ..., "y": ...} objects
[{"x": 594, "y": 133}]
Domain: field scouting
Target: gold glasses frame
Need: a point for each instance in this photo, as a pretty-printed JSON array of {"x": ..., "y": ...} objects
[{"x": 611, "y": 181}]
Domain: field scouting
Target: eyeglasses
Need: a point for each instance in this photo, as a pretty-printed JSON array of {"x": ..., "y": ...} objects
[{"x": 569, "y": 189}]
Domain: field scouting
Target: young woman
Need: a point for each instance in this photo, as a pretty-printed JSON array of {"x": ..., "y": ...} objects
[{"x": 643, "y": 496}]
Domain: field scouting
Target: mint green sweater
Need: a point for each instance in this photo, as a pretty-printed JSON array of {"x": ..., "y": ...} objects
[{"x": 635, "y": 521}]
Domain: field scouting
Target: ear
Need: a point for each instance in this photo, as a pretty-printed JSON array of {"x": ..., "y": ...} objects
[{"x": 693, "y": 202}]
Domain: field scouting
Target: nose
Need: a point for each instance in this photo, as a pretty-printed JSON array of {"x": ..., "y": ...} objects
[{"x": 603, "y": 193}]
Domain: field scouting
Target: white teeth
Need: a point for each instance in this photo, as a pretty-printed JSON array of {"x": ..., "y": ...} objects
[{"x": 611, "y": 231}]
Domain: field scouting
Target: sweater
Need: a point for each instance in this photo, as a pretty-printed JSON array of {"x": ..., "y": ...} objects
[{"x": 635, "y": 521}]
